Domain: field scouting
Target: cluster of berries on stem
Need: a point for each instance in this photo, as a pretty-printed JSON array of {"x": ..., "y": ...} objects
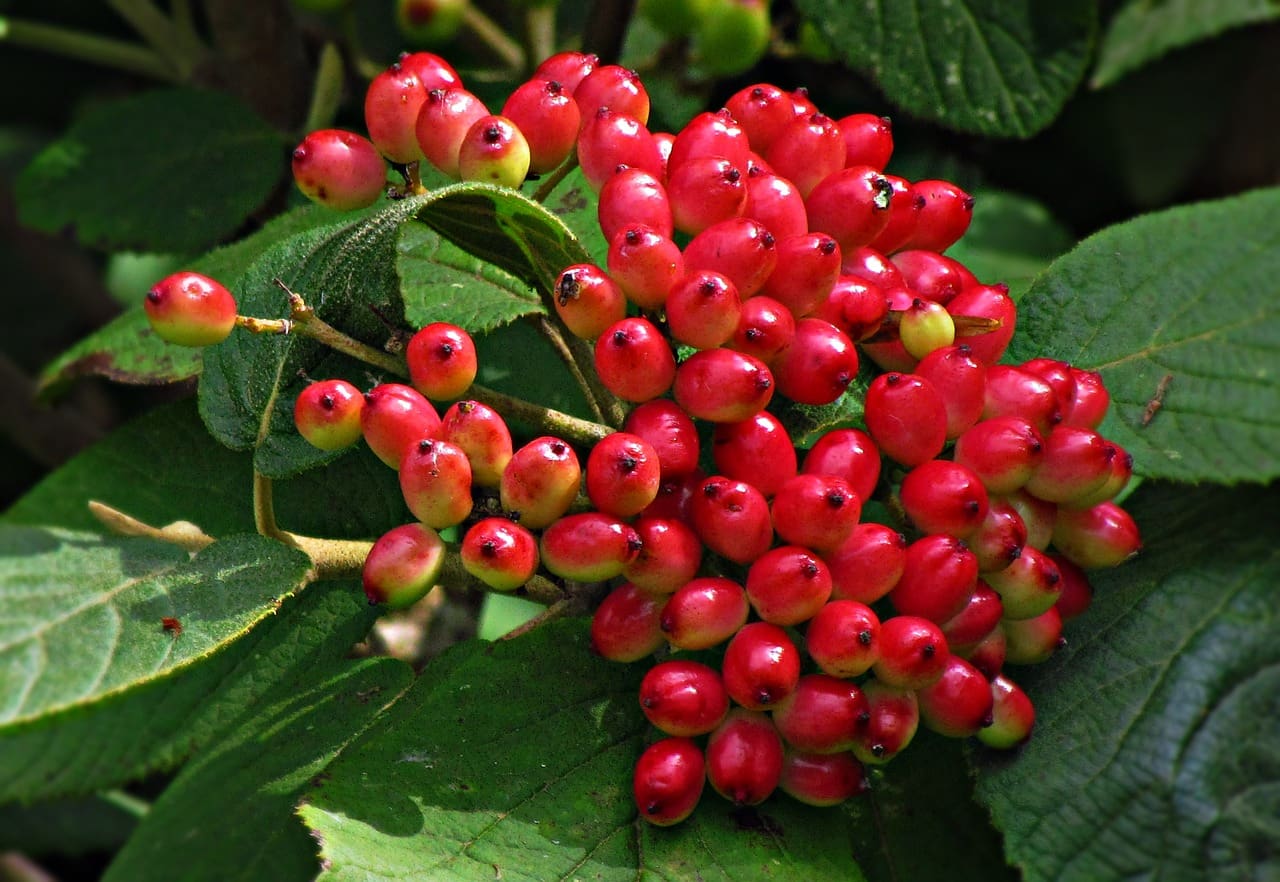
[{"x": 758, "y": 258}]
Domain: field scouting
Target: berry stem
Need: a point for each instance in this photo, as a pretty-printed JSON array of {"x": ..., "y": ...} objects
[
  {"x": 553, "y": 180},
  {"x": 546, "y": 420},
  {"x": 326, "y": 94},
  {"x": 557, "y": 610},
  {"x": 183, "y": 51},
  {"x": 575, "y": 353},
  {"x": 493, "y": 36},
  {"x": 117, "y": 54},
  {"x": 181, "y": 533},
  {"x": 540, "y": 30}
]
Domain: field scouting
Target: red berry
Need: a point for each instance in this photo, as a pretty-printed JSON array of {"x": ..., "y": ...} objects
[
  {"x": 808, "y": 266},
  {"x": 442, "y": 361},
  {"x": 763, "y": 110},
  {"x": 817, "y": 511},
  {"x": 500, "y": 553},
  {"x": 544, "y": 110},
  {"x": 540, "y": 482},
  {"x": 945, "y": 217},
  {"x": 723, "y": 386},
  {"x": 327, "y": 414},
  {"x": 904, "y": 213},
  {"x": 704, "y": 613},
  {"x": 868, "y": 564},
  {"x": 818, "y": 365},
  {"x": 684, "y": 698},
  {"x": 430, "y": 69},
  {"x": 483, "y": 435},
  {"x": 761, "y": 666},
  {"x": 848, "y": 454},
  {"x": 1091, "y": 400},
  {"x": 788, "y": 585},
  {"x": 959, "y": 704},
  {"x": 913, "y": 652},
  {"x": 940, "y": 496},
  {"x": 1002, "y": 451},
  {"x": 339, "y": 169},
  {"x": 939, "y": 573},
  {"x": 710, "y": 134},
  {"x": 566, "y": 68},
  {"x": 1013, "y": 716},
  {"x": 670, "y": 554},
  {"x": 1076, "y": 463},
  {"x": 670, "y": 431},
  {"x": 704, "y": 191},
  {"x": 588, "y": 547},
  {"x": 758, "y": 449},
  {"x": 391, "y": 105},
  {"x": 614, "y": 87},
  {"x": 634, "y": 360},
  {"x": 765, "y": 328},
  {"x": 442, "y": 124},
  {"x": 744, "y": 757},
  {"x": 843, "y": 638},
  {"x": 961, "y": 380},
  {"x": 394, "y": 419},
  {"x": 622, "y": 474},
  {"x": 633, "y": 197},
  {"x": 988, "y": 654},
  {"x": 1098, "y": 537},
  {"x": 587, "y": 300},
  {"x": 1032, "y": 641},
  {"x": 190, "y": 309},
  {"x": 775, "y": 202},
  {"x": 645, "y": 263},
  {"x": 907, "y": 417},
  {"x": 703, "y": 309},
  {"x": 739, "y": 248},
  {"x": 991, "y": 302},
  {"x": 868, "y": 139},
  {"x": 1058, "y": 374},
  {"x": 973, "y": 624},
  {"x": 893, "y": 716},
  {"x": 933, "y": 276},
  {"x": 1037, "y": 515},
  {"x": 611, "y": 138},
  {"x": 852, "y": 205},
  {"x": 403, "y": 565},
  {"x": 625, "y": 626},
  {"x": 1077, "y": 593},
  {"x": 823, "y": 714},
  {"x": 1000, "y": 539},
  {"x": 668, "y": 781},
  {"x": 870, "y": 265},
  {"x": 435, "y": 477},
  {"x": 807, "y": 150},
  {"x": 1027, "y": 587},
  {"x": 732, "y": 518},
  {"x": 856, "y": 306},
  {"x": 821, "y": 779}
]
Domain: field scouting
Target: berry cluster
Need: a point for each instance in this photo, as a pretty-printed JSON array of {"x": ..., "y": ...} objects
[{"x": 758, "y": 254}]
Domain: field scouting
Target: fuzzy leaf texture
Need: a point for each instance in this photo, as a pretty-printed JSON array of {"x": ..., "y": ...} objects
[
  {"x": 232, "y": 807},
  {"x": 993, "y": 67},
  {"x": 169, "y": 170},
  {"x": 1156, "y": 753},
  {"x": 1142, "y": 31},
  {"x": 1183, "y": 294}
]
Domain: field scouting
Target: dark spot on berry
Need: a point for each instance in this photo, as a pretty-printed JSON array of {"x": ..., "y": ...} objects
[
  {"x": 764, "y": 382},
  {"x": 964, "y": 349},
  {"x": 445, "y": 351},
  {"x": 435, "y": 96},
  {"x": 466, "y": 406},
  {"x": 967, "y": 203},
  {"x": 764, "y": 696},
  {"x": 299, "y": 154},
  {"x": 835, "y": 499},
  {"x": 620, "y": 337},
  {"x": 919, "y": 203},
  {"x": 757, "y": 92},
  {"x": 827, "y": 246},
  {"x": 877, "y": 750},
  {"x": 1060, "y": 643},
  {"x": 568, "y": 288},
  {"x": 755, "y": 171},
  {"x": 492, "y": 134},
  {"x": 864, "y": 637},
  {"x": 972, "y": 506},
  {"x": 647, "y": 702},
  {"x": 327, "y": 401},
  {"x": 633, "y": 236},
  {"x": 928, "y": 650},
  {"x": 154, "y": 295},
  {"x": 635, "y": 543},
  {"x": 734, "y": 507},
  {"x": 753, "y": 334},
  {"x": 708, "y": 287},
  {"x": 864, "y": 717},
  {"x": 558, "y": 447},
  {"x": 1001, "y": 287},
  {"x": 767, "y": 240},
  {"x": 733, "y": 176},
  {"x": 810, "y": 569},
  {"x": 711, "y": 490},
  {"x": 893, "y": 379},
  {"x": 628, "y": 463},
  {"x": 987, "y": 720},
  {"x": 1053, "y": 577},
  {"x": 553, "y": 87},
  {"x": 322, "y": 192},
  {"x": 489, "y": 548},
  {"x": 652, "y": 808},
  {"x": 426, "y": 445}
]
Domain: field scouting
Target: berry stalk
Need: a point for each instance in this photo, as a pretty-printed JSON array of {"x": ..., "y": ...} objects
[{"x": 117, "y": 54}]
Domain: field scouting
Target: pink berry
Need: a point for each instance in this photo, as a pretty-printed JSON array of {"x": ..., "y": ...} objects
[
  {"x": 1032, "y": 641},
  {"x": 744, "y": 758},
  {"x": 622, "y": 474},
  {"x": 823, "y": 714},
  {"x": 625, "y": 626},
  {"x": 893, "y": 716},
  {"x": 670, "y": 554},
  {"x": 403, "y": 565},
  {"x": 540, "y": 482},
  {"x": 190, "y": 309},
  {"x": 907, "y": 417},
  {"x": 502, "y": 554},
  {"x": 913, "y": 652},
  {"x": 959, "y": 704},
  {"x": 588, "y": 547},
  {"x": 630, "y": 198},
  {"x": 973, "y": 624},
  {"x": 821, "y": 779},
  {"x": 634, "y": 360},
  {"x": 327, "y": 414},
  {"x": 818, "y": 365},
  {"x": 645, "y": 263},
  {"x": 851, "y": 205},
  {"x": 587, "y": 300},
  {"x": 1002, "y": 451},
  {"x": 732, "y": 518},
  {"x": 961, "y": 380},
  {"x": 443, "y": 122},
  {"x": 670, "y": 431},
  {"x": 868, "y": 139},
  {"x": 763, "y": 110},
  {"x": 567, "y": 68},
  {"x": 394, "y": 419},
  {"x": 776, "y": 203},
  {"x": 788, "y": 585},
  {"x": 544, "y": 110},
  {"x": 869, "y": 563},
  {"x": 939, "y": 574},
  {"x": 703, "y": 309},
  {"x": 807, "y": 151},
  {"x": 940, "y": 496},
  {"x": 765, "y": 328},
  {"x": 739, "y": 248},
  {"x": 615, "y": 87},
  {"x": 339, "y": 169},
  {"x": 435, "y": 477},
  {"x": 758, "y": 449},
  {"x": 683, "y": 698},
  {"x": 761, "y": 666},
  {"x": 816, "y": 511},
  {"x": 1098, "y": 537},
  {"x": 442, "y": 361},
  {"x": 808, "y": 267},
  {"x": 723, "y": 386},
  {"x": 989, "y": 302},
  {"x": 704, "y": 612},
  {"x": 704, "y": 191},
  {"x": 481, "y": 433},
  {"x": 849, "y": 454},
  {"x": 945, "y": 217},
  {"x": 611, "y": 138},
  {"x": 391, "y": 105},
  {"x": 843, "y": 638},
  {"x": 1027, "y": 587}
]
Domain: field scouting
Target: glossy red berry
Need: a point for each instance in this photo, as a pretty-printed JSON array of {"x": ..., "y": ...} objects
[
  {"x": 614, "y": 87},
  {"x": 973, "y": 624},
  {"x": 625, "y": 626},
  {"x": 1000, "y": 539},
  {"x": 587, "y": 300},
  {"x": 868, "y": 139},
  {"x": 787, "y": 585},
  {"x": 704, "y": 612},
  {"x": 868, "y": 564},
  {"x": 988, "y": 654},
  {"x": 816, "y": 511},
  {"x": 1098, "y": 537},
  {"x": 744, "y": 757},
  {"x": 823, "y": 714},
  {"x": 723, "y": 386},
  {"x": 1003, "y": 452},
  {"x": 848, "y": 454},
  {"x": 190, "y": 309},
  {"x": 1037, "y": 515},
  {"x": 856, "y": 306},
  {"x": 931, "y": 275},
  {"x": 710, "y": 134},
  {"x": 702, "y": 309},
  {"x": 843, "y": 638},
  {"x": 394, "y": 419},
  {"x": 391, "y": 105},
  {"x": 988, "y": 302},
  {"x": 959, "y": 704},
  {"x": 483, "y": 435},
  {"x": 907, "y": 417},
  {"x": 442, "y": 361},
  {"x": 807, "y": 150},
  {"x": 502, "y": 554},
  {"x": 939, "y": 573},
  {"x": 851, "y": 205},
  {"x": 668, "y": 781},
  {"x": 821, "y": 779},
  {"x": 1091, "y": 400},
  {"x": 633, "y": 197},
  {"x": 765, "y": 328},
  {"x": 612, "y": 138},
  {"x": 670, "y": 554},
  {"x": 403, "y": 565},
  {"x": 904, "y": 213},
  {"x": 443, "y": 122},
  {"x": 430, "y": 69},
  {"x": 759, "y": 450},
  {"x": 634, "y": 360},
  {"x": 327, "y": 414},
  {"x": 683, "y": 698},
  {"x": 732, "y": 518},
  {"x": 646, "y": 264},
  {"x": 961, "y": 380},
  {"x": 941, "y": 496},
  {"x": 870, "y": 265},
  {"x": 548, "y": 116},
  {"x": 808, "y": 266},
  {"x": 670, "y": 431},
  {"x": 775, "y": 202},
  {"x": 435, "y": 477},
  {"x": 1077, "y": 592},
  {"x": 567, "y": 68},
  {"x": 540, "y": 482},
  {"x": 739, "y": 248},
  {"x": 761, "y": 666},
  {"x": 622, "y": 474},
  {"x": 588, "y": 547},
  {"x": 1076, "y": 463},
  {"x": 1027, "y": 587},
  {"x": 913, "y": 652},
  {"x": 763, "y": 110},
  {"x": 339, "y": 169},
  {"x": 944, "y": 218},
  {"x": 1013, "y": 715},
  {"x": 893, "y": 716},
  {"x": 704, "y": 191},
  {"x": 818, "y": 365}
]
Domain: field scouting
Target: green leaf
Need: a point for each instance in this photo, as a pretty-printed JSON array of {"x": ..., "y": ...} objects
[
  {"x": 806, "y": 423},
  {"x": 1011, "y": 239},
  {"x": 517, "y": 360},
  {"x": 574, "y": 202},
  {"x": 1177, "y": 294},
  {"x": 1142, "y": 31},
  {"x": 66, "y": 827},
  {"x": 511, "y": 758},
  {"x": 354, "y": 497},
  {"x": 232, "y": 807},
  {"x": 442, "y": 283},
  {"x": 154, "y": 725},
  {"x": 1155, "y": 752},
  {"x": 172, "y": 170},
  {"x": 126, "y": 351},
  {"x": 993, "y": 67}
]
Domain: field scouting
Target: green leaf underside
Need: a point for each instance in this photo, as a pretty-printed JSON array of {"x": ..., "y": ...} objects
[
  {"x": 442, "y": 283},
  {"x": 574, "y": 202},
  {"x": 993, "y": 67},
  {"x": 125, "y": 350},
  {"x": 162, "y": 720},
  {"x": 1011, "y": 239},
  {"x": 232, "y": 807},
  {"x": 482, "y": 771},
  {"x": 167, "y": 170},
  {"x": 1142, "y": 31},
  {"x": 1156, "y": 753},
  {"x": 1204, "y": 273}
]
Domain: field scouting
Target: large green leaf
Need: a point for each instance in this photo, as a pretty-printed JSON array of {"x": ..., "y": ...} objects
[
  {"x": 1183, "y": 295},
  {"x": 1156, "y": 753},
  {"x": 574, "y": 202},
  {"x": 150, "y": 727},
  {"x": 231, "y": 809},
  {"x": 126, "y": 351},
  {"x": 1011, "y": 239},
  {"x": 164, "y": 467},
  {"x": 509, "y": 759},
  {"x": 67, "y": 827},
  {"x": 1142, "y": 31},
  {"x": 995, "y": 67},
  {"x": 174, "y": 170}
]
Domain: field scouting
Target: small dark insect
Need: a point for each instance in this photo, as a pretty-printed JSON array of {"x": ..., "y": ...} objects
[
  {"x": 1157, "y": 400},
  {"x": 172, "y": 626}
]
